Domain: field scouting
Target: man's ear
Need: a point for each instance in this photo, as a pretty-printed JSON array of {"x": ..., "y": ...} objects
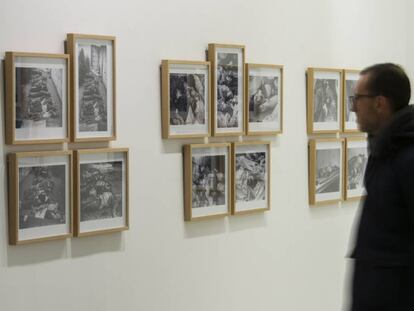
[{"x": 383, "y": 104}]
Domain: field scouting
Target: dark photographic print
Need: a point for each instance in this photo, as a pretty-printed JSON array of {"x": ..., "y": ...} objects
[
  {"x": 325, "y": 100},
  {"x": 38, "y": 97},
  {"x": 250, "y": 176},
  {"x": 357, "y": 160},
  {"x": 101, "y": 190},
  {"x": 208, "y": 180},
  {"x": 187, "y": 99},
  {"x": 92, "y": 83},
  {"x": 42, "y": 196},
  {"x": 350, "y": 116},
  {"x": 328, "y": 170},
  {"x": 263, "y": 100}
]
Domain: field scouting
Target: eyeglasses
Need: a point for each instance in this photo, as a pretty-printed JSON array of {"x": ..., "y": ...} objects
[{"x": 353, "y": 99}]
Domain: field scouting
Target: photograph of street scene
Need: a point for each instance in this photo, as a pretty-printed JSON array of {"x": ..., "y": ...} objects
[
  {"x": 357, "y": 161},
  {"x": 328, "y": 170},
  {"x": 325, "y": 97}
]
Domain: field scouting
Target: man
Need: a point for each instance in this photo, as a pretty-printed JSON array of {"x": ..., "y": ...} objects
[{"x": 384, "y": 247}]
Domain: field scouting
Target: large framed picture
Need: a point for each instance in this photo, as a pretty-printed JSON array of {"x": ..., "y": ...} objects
[
  {"x": 40, "y": 204},
  {"x": 101, "y": 191},
  {"x": 251, "y": 177},
  {"x": 185, "y": 99},
  {"x": 227, "y": 72},
  {"x": 356, "y": 158},
  {"x": 326, "y": 170},
  {"x": 349, "y": 119},
  {"x": 37, "y": 97},
  {"x": 264, "y": 96},
  {"x": 324, "y": 95},
  {"x": 93, "y": 87},
  {"x": 207, "y": 184}
]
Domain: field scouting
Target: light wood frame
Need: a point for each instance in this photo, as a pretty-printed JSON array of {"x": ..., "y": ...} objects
[
  {"x": 10, "y": 120},
  {"x": 13, "y": 191},
  {"x": 233, "y": 174},
  {"x": 77, "y": 163},
  {"x": 313, "y": 167},
  {"x": 71, "y": 49},
  {"x": 310, "y": 100},
  {"x": 344, "y": 100},
  {"x": 248, "y": 67},
  {"x": 188, "y": 180},
  {"x": 212, "y": 49},
  {"x": 165, "y": 74},
  {"x": 351, "y": 139}
]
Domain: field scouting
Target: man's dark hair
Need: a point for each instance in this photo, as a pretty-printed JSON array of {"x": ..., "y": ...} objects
[{"x": 391, "y": 81}]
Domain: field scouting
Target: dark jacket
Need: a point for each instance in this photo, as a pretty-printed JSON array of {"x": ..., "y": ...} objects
[{"x": 386, "y": 228}]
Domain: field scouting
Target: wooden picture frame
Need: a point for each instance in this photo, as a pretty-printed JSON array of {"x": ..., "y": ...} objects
[
  {"x": 40, "y": 201},
  {"x": 207, "y": 181},
  {"x": 264, "y": 99},
  {"x": 251, "y": 174},
  {"x": 349, "y": 120},
  {"x": 227, "y": 95},
  {"x": 37, "y": 98},
  {"x": 356, "y": 158},
  {"x": 186, "y": 104},
  {"x": 326, "y": 167},
  {"x": 324, "y": 97},
  {"x": 93, "y": 73},
  {"x": 101, "y": 193}
]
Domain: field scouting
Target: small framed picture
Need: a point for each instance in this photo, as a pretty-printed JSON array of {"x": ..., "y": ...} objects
[
  {"x": 349, "y": 117},
  {"x": 101, "y": 191},
  {"x": 227, "y": 72},
  {"x": 207, "y": 185},
  {"x": 185, "y": 99},
  {"x": 37, "y": 109},
  {"x": 264, "y": 96},
  {"x": 93, "y": 87},
  {"x": 324, "y": 97},
  {"x": 325, "y": 170},
  {"x": 40, "y": 187},
  {"x": 356, "y": 158},
  {"x": 251, "y": 177}
]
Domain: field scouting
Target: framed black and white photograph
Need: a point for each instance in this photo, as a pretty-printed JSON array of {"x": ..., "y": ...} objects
[
  {"x": 264, "y": 96},
  {"x": 37, "y": 109},
  {"x": 101, "y": 191},
  {"x": 350, "y": 124},
  {"x": 326, "y": 170},
  {"x": 251, "y": 177},
  {"x": 356, "y": 159},
  {"x": 185, "y": 99},
  {"x": 324, "y": 97},
  {"x": 227, "y": 71},
  {"x": 40, "y": 187},
  {"x": 93, "y": 87},
  {"x": 207, "y": 191}
]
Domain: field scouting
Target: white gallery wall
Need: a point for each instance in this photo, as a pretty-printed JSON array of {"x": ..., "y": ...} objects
[{"x": 291, "y": 258}]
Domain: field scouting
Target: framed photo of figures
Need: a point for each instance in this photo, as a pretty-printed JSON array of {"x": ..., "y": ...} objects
[
  {"x": 349, "y": 119},
  {"x": 324, "y": 95},
  {"x": 356, "y": 158},
  {"x": 264, "y": 96},
  {"x": 37, "y": 97},
  {"x": 185, "y": 99},
  {"x": 101, "y": 191},
  {"x": 326, "y": 170},
  {"x": 207, "y": 183},
  {"x": 40, "y": 187},
  {"x": 227, "y": 76},
  {"x": 251, "y": 177},
  {"x": 93, "y": 87}
]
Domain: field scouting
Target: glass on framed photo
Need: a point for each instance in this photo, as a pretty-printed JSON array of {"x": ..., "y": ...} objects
[
  {"x": 350, "y": 120},
  {"x": 251, "y": 177},
  {"x": 324, "y": 100},
  {"x": 227, "y": 64},
  {"x": 185, "y": 99},
  {"x": 264, "y": 99},
  {"x": 325, "y": 170},
  {"x": 206, "y": 181},
  {"x": 356, "y": 159},
  {"x": 37, "y": 98},
  {"x": 93, "y": 91},
  {"x": 101, "y": 191},
  {"x": 40, "y": 187}
]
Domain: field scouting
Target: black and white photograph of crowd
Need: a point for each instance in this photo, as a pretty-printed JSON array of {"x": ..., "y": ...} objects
[
  {"x": 325, "y": 100},
  {"x": 250, "y": 176},
  {"x": 187, "y": 99},
  {"x": 38, "y": 97},
  {"x": 208, "y": 180},
  {"x": 328, "y": 170},
  {"x": 357, "y": 160},
  {"x": 264, "y": 99},
  {"x": 92, "y": 93},
  {"x": 350, "y": 116},
  {"x": 42, "y": 196}
]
